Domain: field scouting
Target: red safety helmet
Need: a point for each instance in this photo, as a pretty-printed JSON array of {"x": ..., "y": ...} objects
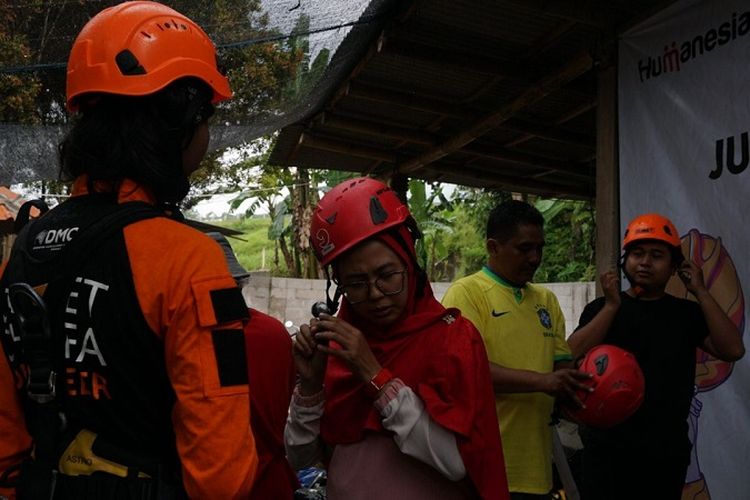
[
  {"x": 350, "y": 213},
  {"x": 138, "y": 48},
  {"x": 618, "y": 387},
  {"x": 651, "y": 227}
]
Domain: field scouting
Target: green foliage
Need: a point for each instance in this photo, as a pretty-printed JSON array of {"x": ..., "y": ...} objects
[
  {"x": 569, "y": 232},
  {"x": 277, "y": 227},
  {"x": 18, "y": 91},
  {"x": 434, "y": 215},
  {"x": 250, "y": 252},
  {"x": 464, "y": 246},
  {"x": 454, "y": 234}
]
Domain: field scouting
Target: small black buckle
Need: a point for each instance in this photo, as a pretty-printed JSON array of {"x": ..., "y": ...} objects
[{"x": 42, "y": 392}]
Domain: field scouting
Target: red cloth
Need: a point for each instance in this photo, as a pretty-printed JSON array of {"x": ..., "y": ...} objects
[
  {"x": 444, "y": 361},
  {"x": 271, "y": 373}
]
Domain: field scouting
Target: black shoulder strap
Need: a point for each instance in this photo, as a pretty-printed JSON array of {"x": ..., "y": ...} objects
[
  {"x": 88, "y": 240},
  {"x": 22, "y": 217}
]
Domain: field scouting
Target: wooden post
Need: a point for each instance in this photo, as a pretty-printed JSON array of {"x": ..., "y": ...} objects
[{"x": 607, "y": 173}]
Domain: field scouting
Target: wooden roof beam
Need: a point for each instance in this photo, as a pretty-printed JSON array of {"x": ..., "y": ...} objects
[
  {"x": 456, "y": 60},
  {"x": 549, "y": 39},
  {"x": 534, "y": 93},
  {"x": 541, "y": 45},
  {"x": 442, "y": 108},
  {"x": 378, "y": 129},
  {"x": 573, "y": 113},
  {"x": 504, "y": 155},
  {"x": 489, "y": 176},
  {"x": 374, "y": 48},
  {"x": 589, "y": 13},
  {"x": 424, "y": 138},
  {"x": 538, "y": 129},
  {"x": 294, "y": 149},
  {"x": 311, "y": 141},
  {"x": 407, "y": 100},
  {"x": 576, "y": 112}
]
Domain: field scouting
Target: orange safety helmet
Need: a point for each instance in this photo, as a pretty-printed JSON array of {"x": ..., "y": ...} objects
[
  {"x": 651, "y": 227},
  {"x": 350, "y": 213},
  {"x": 138, "y": 48},
  {"x": 618, "y": 387}
]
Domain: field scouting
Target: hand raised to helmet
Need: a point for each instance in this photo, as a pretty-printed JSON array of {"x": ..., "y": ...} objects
[
  {"x": 692, "y": 276},
  {"x": 352, "y": 347},
  {"x": 610, "y": 281}
]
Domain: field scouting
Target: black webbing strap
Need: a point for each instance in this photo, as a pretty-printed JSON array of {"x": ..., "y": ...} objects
[{"x": 24, "y": 213}]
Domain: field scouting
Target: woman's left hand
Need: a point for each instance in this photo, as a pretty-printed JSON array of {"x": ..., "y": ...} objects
[{"x": 354, "y": 350}]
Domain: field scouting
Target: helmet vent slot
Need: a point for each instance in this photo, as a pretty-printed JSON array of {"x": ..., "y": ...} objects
[
  {"x": 601, "y": 364},
  {"x": 377, "y": 212},
  {"x": 128, "y": 64},
  {"x": 173, "y": 25}
]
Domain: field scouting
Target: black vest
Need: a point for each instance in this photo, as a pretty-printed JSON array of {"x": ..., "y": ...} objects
[{"x": 111, "y": 375}]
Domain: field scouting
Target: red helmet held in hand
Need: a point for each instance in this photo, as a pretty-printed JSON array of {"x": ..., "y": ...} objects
[{"x": 618, "y": 387}]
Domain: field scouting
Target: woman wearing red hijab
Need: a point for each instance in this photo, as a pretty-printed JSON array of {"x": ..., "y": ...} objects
[{"x": 394, "y": 391}]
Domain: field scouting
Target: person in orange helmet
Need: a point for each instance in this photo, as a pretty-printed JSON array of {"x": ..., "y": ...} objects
[
  {"x": 124, "y": 374},
  {"x": 647, "y": 455},
  {"x": 397, "y": 386}
]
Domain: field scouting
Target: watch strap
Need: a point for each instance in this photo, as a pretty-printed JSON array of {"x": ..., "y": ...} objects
[{"x": 376, "y": 383}]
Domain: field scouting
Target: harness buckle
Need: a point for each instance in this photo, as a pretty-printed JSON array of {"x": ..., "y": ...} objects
[{"x": 42, "y": 392}]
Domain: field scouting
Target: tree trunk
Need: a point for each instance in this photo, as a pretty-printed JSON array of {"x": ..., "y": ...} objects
[{"x": 288, "y": 257}]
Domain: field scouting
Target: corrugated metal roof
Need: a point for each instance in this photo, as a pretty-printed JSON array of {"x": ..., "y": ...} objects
[{"x": 495, "y": 94}]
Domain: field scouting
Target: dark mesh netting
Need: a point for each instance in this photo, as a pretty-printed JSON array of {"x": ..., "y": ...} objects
[{"x": 282, "y": 58}]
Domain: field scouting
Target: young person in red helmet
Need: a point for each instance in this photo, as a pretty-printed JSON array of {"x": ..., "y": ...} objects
[
  {"x": 395, "y": 385},
  {"x": 134, "y": 382},
  {"x": 647, "y": 455}
]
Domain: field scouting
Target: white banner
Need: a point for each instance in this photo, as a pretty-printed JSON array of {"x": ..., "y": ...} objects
[{"x": 684, "y": 120}]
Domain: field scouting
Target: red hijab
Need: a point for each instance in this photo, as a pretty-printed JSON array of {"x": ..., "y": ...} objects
[{"x": 441, "y": 357}]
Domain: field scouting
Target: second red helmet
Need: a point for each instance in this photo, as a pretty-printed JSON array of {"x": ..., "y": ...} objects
[{"x": 618, "y": 387}]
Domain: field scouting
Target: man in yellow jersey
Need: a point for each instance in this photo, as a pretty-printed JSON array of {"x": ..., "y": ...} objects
[{"x": 524, "y": 331}]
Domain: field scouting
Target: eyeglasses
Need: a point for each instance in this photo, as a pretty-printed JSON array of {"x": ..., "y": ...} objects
[{"x": 391, "y": 283}]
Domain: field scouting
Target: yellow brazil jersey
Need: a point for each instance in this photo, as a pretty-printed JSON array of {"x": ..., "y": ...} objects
[{"x": 523, "y": 328}]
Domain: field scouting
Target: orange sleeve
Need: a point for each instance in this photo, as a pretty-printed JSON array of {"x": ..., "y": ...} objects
[
  {"x": 15, "y": 441},
  {"x": 177, "y": 272}
]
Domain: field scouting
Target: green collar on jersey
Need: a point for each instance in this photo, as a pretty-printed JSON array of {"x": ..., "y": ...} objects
[{"x": 517, "y": 291}]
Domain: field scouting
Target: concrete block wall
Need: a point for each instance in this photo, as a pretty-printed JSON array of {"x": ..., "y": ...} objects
[
  {"x": 572, "y": 297},
  {"x": 290, "y": 299}
]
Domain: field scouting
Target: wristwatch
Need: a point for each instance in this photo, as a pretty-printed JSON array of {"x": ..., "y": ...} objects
[{"x": 376, "y": 383}]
